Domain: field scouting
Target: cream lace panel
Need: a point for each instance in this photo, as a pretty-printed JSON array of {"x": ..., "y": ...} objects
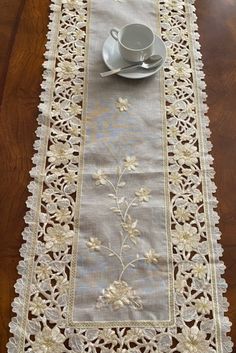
[{"x": 41, "y": 323}]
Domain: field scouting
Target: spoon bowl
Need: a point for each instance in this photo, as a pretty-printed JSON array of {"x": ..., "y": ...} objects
[{"x": 153, "y": 61}]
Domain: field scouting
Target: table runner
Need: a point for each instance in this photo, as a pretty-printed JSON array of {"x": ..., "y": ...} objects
[{"x": 121, "y": 249}]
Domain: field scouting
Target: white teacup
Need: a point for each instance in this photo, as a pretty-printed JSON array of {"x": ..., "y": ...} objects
[{"x": 136, "y": 41}]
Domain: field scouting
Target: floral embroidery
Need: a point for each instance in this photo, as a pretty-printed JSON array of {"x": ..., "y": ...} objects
[
  {"x": 60, "y": 153},
  {"x": 122, "y": 104},
  {"x": 185, "y": 237},
  {"x": 130, "y": 163},
  {"x": 73, "y": 5},
  {"x": 180, "y": 70},
  {"x": 143, "y": 194},
  {"x": 192, "y": 340},
  {"x": 119, "y": 293},
  {"x": 180, "y": 284},
  {"x": 203, "y": 306},
  {"x": 174, "y": 5},
  {"x": 37, "y": 306},
  {"x": 151, "y": 257},
  {"x": 67, "y": 69},
  {"x": 199, "y": 270},
  {"x": 186, "y": 154},
  {"x": 193, "y": 280},
  {"x": 58, "y": 237},
  {"x": 94, "y": 244},
  {"x": 182, "y": 214},
  {"x": 100, "y": 177},
  {"x": 130, "y": 227},
  {"x": 49, "y": 341}
]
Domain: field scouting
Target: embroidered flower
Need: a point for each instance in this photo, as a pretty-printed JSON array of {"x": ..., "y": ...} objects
[
  {"x": 47, "y": 195},
  {"x": 80, "y": 51},
  {"x": 203, "y": 305},
  {"x": 185, "y": 237},
  {"x": 94, "y": 244},
  {"x": 174, "y": 5},
  {"x": 43, "y": 271},
  {"x": 176, "y": 108},
  {"x": 37, "y": 305},
  {"x": 58, "y": 237},
  {"x": 56, "y": 109},
  {"x": 180, "y": 284},
  {"x": 100, "y": 177},
  {"x": 49, "y": 341},
  {"x": 175, "y": 178},
  {"x": 143, "y": 194},
  {"x": 199, "y": 270},
  {"x": 74, "y": 131},
  {"x": 186, "y": 154},
  {"x": 71, "y": 177},
  {"x": 130, "y": 227},
  {"x": 192, "y": 340},
  {"x": 122, "y": 104},
  {"x": 82, "y": 17},
  {"x": 130, "y": 163},
  {"x": 108, "y": 336},
  {"x": 170, "y": 90},
  {"x": 61, "y": 283},
  {"x": 77, "y": 90},
  {"x": 75, "y": 109},
  {"x": 197, "y": 196},
  {"x": 173, "y": 131},
  {"x": 60, "y": 153},
  {"x": 67, "y": 69},
  {"x": 133, "y": 334},
  {"x": 79, "y": 34},
  {"x": 180, "y": 70},
  {"x": 152, "y": 257},
  {"x": 63, "y": 214},
  {"x": 182, "y": 214},
  {"x": 73, "y": 4},
  {"x": 119, "y": 294}
]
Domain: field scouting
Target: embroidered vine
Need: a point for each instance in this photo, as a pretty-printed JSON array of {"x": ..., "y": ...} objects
[{"x": 119, "y": 293}]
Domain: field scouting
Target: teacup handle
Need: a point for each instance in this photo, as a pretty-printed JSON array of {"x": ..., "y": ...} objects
[{"x": 114, "y": 33}]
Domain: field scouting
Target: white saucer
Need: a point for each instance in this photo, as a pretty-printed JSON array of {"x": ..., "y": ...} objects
[{"x": 113, "y": 59}]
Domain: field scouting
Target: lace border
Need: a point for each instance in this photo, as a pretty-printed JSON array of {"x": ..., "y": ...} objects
[
  {"x": 210, "y": 186},
  {"x": 36, "y": 173}
]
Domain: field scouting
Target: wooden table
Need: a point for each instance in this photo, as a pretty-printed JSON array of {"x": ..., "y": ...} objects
[{"x": 23, "y": 28}]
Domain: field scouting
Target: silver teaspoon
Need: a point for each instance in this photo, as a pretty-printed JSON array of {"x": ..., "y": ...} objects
[{"x": 150, "y": 63}]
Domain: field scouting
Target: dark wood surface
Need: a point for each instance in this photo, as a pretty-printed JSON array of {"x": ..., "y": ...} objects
[{"x": 23, "y": 28}]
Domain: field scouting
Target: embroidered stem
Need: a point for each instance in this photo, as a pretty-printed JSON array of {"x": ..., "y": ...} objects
[
  {"x": 128, "y": 265},
  {"x": 114, "y": 253},
  {"x": 123, "y": 243},
  {"x": 128, "y": 207}
]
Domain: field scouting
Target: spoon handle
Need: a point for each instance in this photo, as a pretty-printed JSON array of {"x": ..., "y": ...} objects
[{"x": 115, "y": 71}]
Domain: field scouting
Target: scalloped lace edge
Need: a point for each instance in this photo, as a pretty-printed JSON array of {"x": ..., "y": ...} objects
[
  {"x": 34, "y": 186},
  {"x": 214, "y": 218}
]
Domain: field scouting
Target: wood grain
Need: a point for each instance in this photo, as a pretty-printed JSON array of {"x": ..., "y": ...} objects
[
  {"x": 25, "y": 36},
  {"x": 23, "y": 28},
  {"x": 217, "y": 27}
]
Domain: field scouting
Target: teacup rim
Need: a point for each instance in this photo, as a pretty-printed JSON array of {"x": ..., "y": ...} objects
[{"x": 136, "y": 50}]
